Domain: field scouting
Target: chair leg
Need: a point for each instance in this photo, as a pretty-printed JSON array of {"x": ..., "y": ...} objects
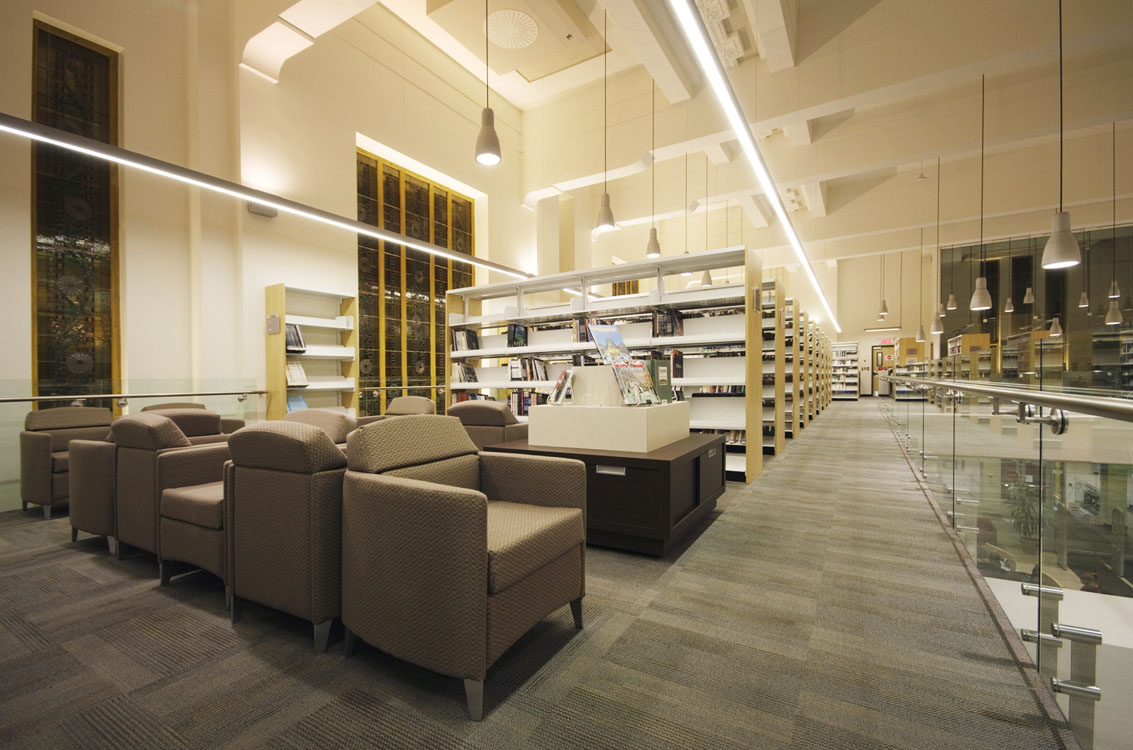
[
  {"x": 228, "y": 598},
  {"x": 74, "y": 534},
  {"x": 322, "y": 636},
  {"x": 474, "y": 694},
  {"x": 112, "y": 546},
  {"x": 47, "y": 512},
  {"x": 349, "y": 641},
  {"x": 24, "y": 505},
  {"x": 576, "y": 610},
  {"x": 237, "y": 607},
  {"x": 164, "y": 572}
]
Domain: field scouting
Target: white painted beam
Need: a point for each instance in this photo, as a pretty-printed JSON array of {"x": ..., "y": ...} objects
[{"x": 815, "y": 194}]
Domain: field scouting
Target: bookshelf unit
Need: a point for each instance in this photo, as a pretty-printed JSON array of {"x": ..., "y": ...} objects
[
  {"x": 774, "y": 361},
  {"x": 792, "y": 413},
  {"x": 327, "y": 323},
  {"x": 722, "y": 330},
  {"x": 844, "y": 367}
]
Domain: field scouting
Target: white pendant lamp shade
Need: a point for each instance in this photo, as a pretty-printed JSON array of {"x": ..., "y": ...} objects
[
  {"x": 952, "y": 301},
  {"x": 1061, "y": 249},
  {"x": 653, "y": 247},
  {"x": 920, "y": 334},
  {"x": 981, "y": 298},
  {"x": 1113, "y": 316},
  {"x": 1029, "y": 297},
  {"x": 940, "y": 311},
  {"x": 937, "y": 327},
  {"x": 1009, "y": 307},
  {"x": 1055, "y": 327},
  {"x": 1083, "y": 300},
  {"x": 883, "y": 311},
  {"x": 1114, "y": 290},
  {"x": 706, "y": 279},
  {"x": 488, "y": 143},
  {"x": 605, "y": 214}
]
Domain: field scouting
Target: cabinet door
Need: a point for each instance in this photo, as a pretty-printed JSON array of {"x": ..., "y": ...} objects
[
  {"x": 711, "y": 472},
  {"x": 624, "y": 499}
]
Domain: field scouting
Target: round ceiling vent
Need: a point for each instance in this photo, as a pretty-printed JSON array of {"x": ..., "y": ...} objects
[{"x": 512, "y": 29}]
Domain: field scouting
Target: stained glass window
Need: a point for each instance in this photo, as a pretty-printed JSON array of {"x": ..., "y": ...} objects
[{"x": 74, "y": 218}]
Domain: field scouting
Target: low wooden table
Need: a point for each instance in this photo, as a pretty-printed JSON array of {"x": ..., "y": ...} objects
[{"x": 644, "y": 502}]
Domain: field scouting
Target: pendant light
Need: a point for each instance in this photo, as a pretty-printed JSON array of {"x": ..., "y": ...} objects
[
  {"x": 940, "y": 311},
  {"x": 686, "y": 273},
  {"x": 706, "y": 279},
  {"x": 981, "y": 298},
  {"x": 921, "y": 177},
  {"x": 883, "y": 309},
  {"x": 920, "y": 290},
  {"x": 487, "y": 142},
  {"x": 1010, "y": 306},
  {"x": 1113, "y": 316},
  {"x": 653, "y": 247},
  {"x": 1061, "y": 249},
  {"x": 1055, "y": 327},
  {"x": 605, "y": 213}
]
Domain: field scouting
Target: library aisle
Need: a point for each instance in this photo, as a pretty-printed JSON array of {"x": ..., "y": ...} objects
[{"x": 824, "y": 606}]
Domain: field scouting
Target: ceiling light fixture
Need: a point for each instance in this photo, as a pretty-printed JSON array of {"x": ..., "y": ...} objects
[
  {"x": 692, "y": 26},
  {"x": 981, "y": 298},
  {"x": 1010, "y": 306},
  {"x": 883, "y": 329},
  {"x": 120, "y": 156},
  {"x": 653, "y": 247},
  {"x": 686, "y": 273},
  {"x": 883, "y": 309},
  {"x": 1029, "y": 296},
  {"x": 1055, "y": 327},
  {"x": 1113, "y": 316},
  {"x": 937, "y": 326},
  {"x": 605, "y": 213},
  {"x": 921, "y": 177},
  {"x": 1061, "y": 249},
  {"x": 487, "y": 142},
  {"x": 920, "y": 291}
]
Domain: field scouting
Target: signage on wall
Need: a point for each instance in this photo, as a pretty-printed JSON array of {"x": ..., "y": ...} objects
[{"x": 886, "y": 341}]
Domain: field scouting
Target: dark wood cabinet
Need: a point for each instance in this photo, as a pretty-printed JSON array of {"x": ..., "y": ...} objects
[{"x": 644, "y": 502}]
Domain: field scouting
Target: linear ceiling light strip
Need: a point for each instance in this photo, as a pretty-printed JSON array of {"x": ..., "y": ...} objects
[
  {"x": 78, "y": 144},
  {"x": 688, "y": 18}
]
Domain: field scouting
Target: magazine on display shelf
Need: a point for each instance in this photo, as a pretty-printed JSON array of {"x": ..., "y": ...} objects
[{"x": 632, "y": 375}]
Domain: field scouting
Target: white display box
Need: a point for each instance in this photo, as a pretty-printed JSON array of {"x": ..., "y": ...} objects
[{"x": 634, "y": 429}]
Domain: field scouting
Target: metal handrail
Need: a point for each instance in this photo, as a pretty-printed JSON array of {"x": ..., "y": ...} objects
[
  {"x": 97, "y": 396},
  {"x": 1120, "y": 409}
]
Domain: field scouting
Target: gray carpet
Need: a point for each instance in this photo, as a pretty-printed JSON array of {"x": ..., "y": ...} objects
[{"x": 822, "y": 607}]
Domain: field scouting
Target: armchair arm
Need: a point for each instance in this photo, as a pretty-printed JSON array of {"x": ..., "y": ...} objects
[
  {"x": 230, "y": 425},
  {"x": 91, "y": 486},
  {"x": 515, "y": 432},
  {"x": 415, "y": 571},
  {"x": 535, "y": 480},
  {"x": 35, "y": 467},
  {"x": 182, "y": 467}
]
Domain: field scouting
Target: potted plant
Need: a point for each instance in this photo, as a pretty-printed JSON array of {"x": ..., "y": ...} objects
[{"x": 1023, "y": 511}]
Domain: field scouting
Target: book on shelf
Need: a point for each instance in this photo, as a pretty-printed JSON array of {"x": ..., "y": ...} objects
[
  {"x": 294, "y": 339},
  {"x": 465, "y": 339},
  {"x": 668, "y": 323},
  {"x": 516, "y": 334},
  {"x": 462, "y": 372},
  {"x": 527, "y": 368},
  {"x": 296, "y": 375},
  {"x": 661, "y": 372},
  {"x": 295, "y": 403}
]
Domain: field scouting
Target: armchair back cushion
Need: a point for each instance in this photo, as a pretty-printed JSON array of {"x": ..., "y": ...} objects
[
  {"x": 288, "y": 446},
  {"x": 147, "y": 431},
  {"x": 193, "y": 422},
  {"x": 173, "y": 405},
  {"x": 66, "y": 423},
  {"x": 335, "y": 424},
  {"x": 404, "y": 405},
  {"x": 483, "y": 413},
  {"x": 405, "y": 442}
]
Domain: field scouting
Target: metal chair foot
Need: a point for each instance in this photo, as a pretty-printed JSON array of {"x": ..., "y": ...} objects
[
  {"x": 236, "y": 609},
  {"x": 74, "y": 534},
  {"x": 164, "y": 572},
  {"x": 47, "y": 512},
  {"x": 112, "y": 545},
  {"x": 474, "y": 694},
  {"x": 349, "y": 642},
  {"x": 576, "y": 610}
]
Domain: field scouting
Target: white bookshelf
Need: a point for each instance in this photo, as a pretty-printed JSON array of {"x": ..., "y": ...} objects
[{"x": 844, "y": 371}]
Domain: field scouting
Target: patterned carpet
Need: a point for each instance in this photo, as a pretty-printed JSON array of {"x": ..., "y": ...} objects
[{"x": 823, "y": 607}]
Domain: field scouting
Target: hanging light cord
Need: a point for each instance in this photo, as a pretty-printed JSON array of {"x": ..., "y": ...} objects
[
  {"x": 705, "y": 201},
  {"x": 1113, "y": 249},
  {"x": 938, "y": 251},
  {"x": 605, "y": 99},
  {"x": 983, "y": 97},
  {"x": 1060, "y": 106},
  {"x": 487, "y": 88},
  {"x": 686, "y": 201},
  {"x": 653, "y": 154}
]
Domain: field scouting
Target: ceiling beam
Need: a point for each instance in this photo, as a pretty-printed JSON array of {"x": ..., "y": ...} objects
[{"x": 776, "y": 29}]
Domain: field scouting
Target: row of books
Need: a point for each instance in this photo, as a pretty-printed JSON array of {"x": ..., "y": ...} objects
[
  {"x": 731, "y": 390},
  {"x": 522, "y": 401},
  {"x": 527, "y": 368},
  {"x": 731, "y": 437},
  {"x": 465, "y": 338}
]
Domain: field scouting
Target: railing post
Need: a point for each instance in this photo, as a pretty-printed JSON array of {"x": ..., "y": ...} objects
[
  {"x": 1048, "y": 644},
  {"x": 1081, "y": 687}
]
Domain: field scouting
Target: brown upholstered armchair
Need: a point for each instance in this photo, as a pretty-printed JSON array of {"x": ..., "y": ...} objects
[
  {"x": 488, "y": 422},
  {"x": 336, "y": 424},
  {"x": 154, "y": 454},
  {"x": 94, "y": 470},
  {"x": 228, "y": 425},
  {"x": 283, "y": 497},
  {"x": 449, "y": 555},
  {"x": 45, "y": 450},
  {"x": 403, "y": 406}
]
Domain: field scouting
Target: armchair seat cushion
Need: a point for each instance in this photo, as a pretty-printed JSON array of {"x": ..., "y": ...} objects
[
  {"x": 523, "y": 538},
  {"x": 59, "y": 462},
  {"x": 199, "y": 505}
]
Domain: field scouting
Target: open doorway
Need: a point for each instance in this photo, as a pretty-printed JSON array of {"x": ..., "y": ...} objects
[{"x": 882, "y": 360}]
